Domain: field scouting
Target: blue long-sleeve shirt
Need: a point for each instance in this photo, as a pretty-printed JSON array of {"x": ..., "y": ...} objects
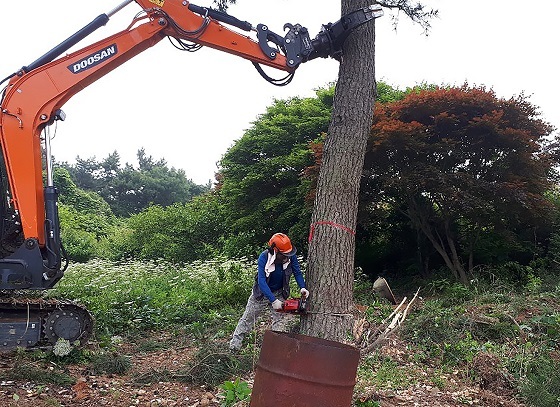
[{"x": 275, "y": 280}]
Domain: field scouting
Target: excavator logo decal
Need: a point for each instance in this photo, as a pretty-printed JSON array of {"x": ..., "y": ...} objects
[
  {"x": 158, "y": 2},
  {"x": 94, "y": 59}
]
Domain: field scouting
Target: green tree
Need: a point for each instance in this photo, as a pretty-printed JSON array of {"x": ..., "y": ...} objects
[
  {"x": 461, "y": 164},
  {"x": 128, "y": 190},
  {"x": 84, "y": 217},
  {"x": 83, "y": 173},
  {"x": 267, "y": 179},
  {"x": 260, "y": 177},
  {"x": 222, "y": 5}
]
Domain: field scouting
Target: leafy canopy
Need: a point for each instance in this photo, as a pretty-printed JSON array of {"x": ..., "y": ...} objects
[
  {"x": 260, "y": 178},
  {"x": 460, "y": 162},
  {"x": 127, "y": 189}
]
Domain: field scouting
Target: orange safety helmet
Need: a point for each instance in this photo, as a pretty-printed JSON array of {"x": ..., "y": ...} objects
[{"x": 282, "y": 243}]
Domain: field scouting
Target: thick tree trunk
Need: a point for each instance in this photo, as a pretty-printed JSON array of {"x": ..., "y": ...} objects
[{"x": 330, "y": 273}]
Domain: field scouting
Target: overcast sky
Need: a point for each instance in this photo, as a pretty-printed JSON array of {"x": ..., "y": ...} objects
[{"x": 188, "y": 108}]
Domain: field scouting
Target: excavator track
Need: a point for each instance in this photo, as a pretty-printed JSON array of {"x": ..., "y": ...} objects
[{"x": 31, "y": 323}]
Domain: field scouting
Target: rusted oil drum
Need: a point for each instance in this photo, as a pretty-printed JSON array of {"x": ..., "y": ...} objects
[{"x": 303, "y": 371}]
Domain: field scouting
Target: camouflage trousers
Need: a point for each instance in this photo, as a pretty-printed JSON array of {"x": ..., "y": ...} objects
[{"x": 248, "y": 320}]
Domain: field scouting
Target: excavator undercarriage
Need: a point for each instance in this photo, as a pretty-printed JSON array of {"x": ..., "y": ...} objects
[{"x": 28, "y": 322}]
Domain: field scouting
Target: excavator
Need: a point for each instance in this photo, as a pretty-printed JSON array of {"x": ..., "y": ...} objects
[{"x": 32, "y": 256}]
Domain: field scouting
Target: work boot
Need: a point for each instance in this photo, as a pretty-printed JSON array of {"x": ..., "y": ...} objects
[{"x": 234, "y": 346}]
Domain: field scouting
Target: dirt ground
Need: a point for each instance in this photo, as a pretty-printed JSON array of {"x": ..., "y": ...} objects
[{"x": 123, "y": 390}]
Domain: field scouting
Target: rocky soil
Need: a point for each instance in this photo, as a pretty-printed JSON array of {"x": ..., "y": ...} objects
[{"x": 491, "y": 389}]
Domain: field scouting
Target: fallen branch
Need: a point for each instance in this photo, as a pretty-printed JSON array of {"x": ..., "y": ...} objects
[{"x": 384, "y": 330}]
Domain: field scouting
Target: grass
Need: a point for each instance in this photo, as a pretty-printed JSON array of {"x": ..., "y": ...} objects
[
  {"x": 516, "y": 327},
  {"x": 137, "y": 296},
  {"x": 541, "y": 384},
  {"x": 39, "y": 376},
  {"x": 384, "y": 373},
  {"x": 212, "y": 366},
  {"x": 519, "y": 327},
  {"x": 110, "y": 363}
]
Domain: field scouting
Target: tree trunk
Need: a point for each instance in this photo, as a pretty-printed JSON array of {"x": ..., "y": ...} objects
[
  {"x": 442, "y": 244},
  {"x": 330, "y": 273}
]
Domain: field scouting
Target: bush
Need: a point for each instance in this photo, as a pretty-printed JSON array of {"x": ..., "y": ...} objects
[
  {"x": 134, "y": 296},
  {"x": 541, "y": 387},
  {"x": 450, "y": 292},
  {"x": 118, "y": 243},
  {"x": 516, "y": 274},
  {"x": 80, "y": 245},
  {"x": 176, "y": 233}
]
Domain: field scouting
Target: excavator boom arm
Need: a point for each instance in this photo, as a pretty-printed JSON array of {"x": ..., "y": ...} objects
[{"x": 38, "y": 91}]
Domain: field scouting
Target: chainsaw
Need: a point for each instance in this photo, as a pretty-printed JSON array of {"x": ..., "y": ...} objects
[{"x": 295, "y": 306}]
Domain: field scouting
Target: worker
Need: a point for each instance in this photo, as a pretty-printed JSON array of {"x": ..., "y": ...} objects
[{"x": 272, "y": 286}]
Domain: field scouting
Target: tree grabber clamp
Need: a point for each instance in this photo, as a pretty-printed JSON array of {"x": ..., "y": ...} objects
[{"x": 299, "y": 48}]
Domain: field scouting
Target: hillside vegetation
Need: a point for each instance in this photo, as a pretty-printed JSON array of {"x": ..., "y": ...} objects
[
  {"x": 493, "y": 343},
  {"x": 459, "y": 199}
]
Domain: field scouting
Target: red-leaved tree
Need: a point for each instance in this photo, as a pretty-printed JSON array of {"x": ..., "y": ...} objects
[{"x": 459, "y": 161}]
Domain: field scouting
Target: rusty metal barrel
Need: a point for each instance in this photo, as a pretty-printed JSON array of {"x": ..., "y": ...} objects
[{"x": 303, "y": 371}]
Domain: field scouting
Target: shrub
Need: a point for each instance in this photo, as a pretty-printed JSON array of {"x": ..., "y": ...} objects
[
  {"x": 234, "y": 392},
  {"x": 134, "y": 296},
  {"x": 541, "y": 387},
  {"x": 111, "y": 363}
]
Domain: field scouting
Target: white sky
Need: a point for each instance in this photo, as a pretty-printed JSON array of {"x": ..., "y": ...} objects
[{"x": 189, "y": 108}]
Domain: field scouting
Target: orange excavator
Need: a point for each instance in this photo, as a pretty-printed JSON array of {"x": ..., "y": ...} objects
[{"x": 32, "y": 257}]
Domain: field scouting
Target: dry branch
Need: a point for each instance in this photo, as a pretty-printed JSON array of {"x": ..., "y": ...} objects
[{"x": 372, "y": 339}]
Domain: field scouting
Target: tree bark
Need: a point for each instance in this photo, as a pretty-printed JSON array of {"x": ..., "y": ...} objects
[
  {"x": 445, "y": 245},
  {"x": 330, "y": 273}
]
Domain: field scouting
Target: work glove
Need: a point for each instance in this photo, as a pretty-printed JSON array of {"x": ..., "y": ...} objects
[
  {"x": 304, "y": 293},
  {"x": 277, "y": 305}
]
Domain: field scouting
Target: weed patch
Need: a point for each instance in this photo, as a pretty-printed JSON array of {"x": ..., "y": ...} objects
[
  {"x": 212, "y": 366},
  {"x": 38, "y": 375},
  {"x": 135, "y": 297}
]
